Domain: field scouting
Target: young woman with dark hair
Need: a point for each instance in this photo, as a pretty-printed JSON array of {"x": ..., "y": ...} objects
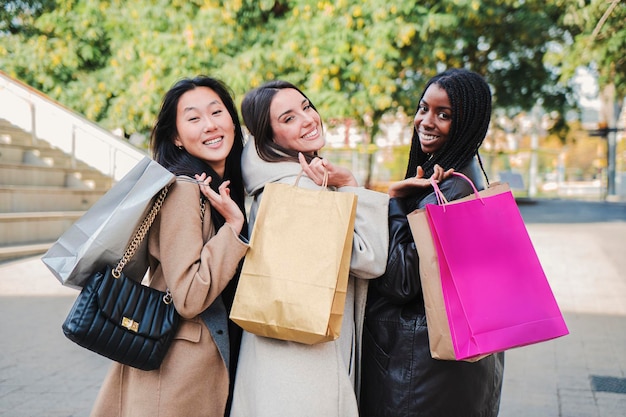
[
  {"x": 195, "y": 246},
  {"x": 399, "y": 376}
]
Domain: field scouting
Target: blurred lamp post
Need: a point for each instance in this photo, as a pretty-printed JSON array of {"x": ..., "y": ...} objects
[{"x": 534, "y": 146}]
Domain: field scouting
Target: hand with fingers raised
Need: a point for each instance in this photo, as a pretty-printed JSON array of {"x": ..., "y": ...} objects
[{"x": 222, "y": 202}]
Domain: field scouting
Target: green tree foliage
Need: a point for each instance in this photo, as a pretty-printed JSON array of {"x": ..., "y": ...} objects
[
  {"x": 111, "y": 60},
  {"x": 17, "y": 15},
  {"x": 599, "y": 41}
]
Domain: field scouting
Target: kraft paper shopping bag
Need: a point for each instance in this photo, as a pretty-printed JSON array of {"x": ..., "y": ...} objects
[
  {"x": 100, "y": 237},
  {"x": 439, "y": 338},
  {"x": 294, "y": 277},
  {"x": 496, "y": 293}
]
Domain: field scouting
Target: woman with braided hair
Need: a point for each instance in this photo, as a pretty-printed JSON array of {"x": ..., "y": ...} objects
[{"x": 399, "y": 376}]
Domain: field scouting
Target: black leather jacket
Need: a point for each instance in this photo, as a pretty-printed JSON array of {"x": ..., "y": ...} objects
[{"x": 399, "y": 377}]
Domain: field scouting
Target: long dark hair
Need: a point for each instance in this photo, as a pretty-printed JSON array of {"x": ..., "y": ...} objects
[
  {"x": 255, "y": 110},
  {"x": 470, "y": 99},
  {"x": 180, "y": 162}
]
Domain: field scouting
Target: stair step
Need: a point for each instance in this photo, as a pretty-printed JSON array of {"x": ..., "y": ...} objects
[
  {"x": 43, "y": 191},
  {"x": 43, "y": 155},
  {"x": 40, "y": 215},
  {"x": 21, "y": 174},
  {"x": 35, "y": 227},
  {"x": 10, "y": 134},
  {"x": 19, "y": 199},
  {"x": 21, "y": 251}
]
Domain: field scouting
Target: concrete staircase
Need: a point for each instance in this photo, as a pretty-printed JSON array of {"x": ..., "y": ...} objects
[{"x": 42, "y": 192}]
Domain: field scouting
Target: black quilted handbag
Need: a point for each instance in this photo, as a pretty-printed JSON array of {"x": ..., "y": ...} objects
[{"x": 121, "y": 319}]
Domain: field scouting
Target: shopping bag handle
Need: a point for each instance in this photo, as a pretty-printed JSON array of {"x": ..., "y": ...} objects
[
  {"x": 442, "y": 200},
  {"x": 324, "y": 182}
]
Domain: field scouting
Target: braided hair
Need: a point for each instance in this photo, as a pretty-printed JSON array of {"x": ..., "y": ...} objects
[{"x": 470, "y": 99}]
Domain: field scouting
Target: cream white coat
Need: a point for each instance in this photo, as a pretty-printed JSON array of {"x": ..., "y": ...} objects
[{"x": 277, "y": 378}]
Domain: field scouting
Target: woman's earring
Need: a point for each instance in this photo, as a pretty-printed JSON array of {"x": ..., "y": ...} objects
[{"x": 180, "y": 147}]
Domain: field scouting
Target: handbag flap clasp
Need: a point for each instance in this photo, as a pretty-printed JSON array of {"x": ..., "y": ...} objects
[{"x": 130, "y": 324}]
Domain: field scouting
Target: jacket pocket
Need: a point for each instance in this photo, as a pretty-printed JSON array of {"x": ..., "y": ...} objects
[{"x": 189, "y": 330}]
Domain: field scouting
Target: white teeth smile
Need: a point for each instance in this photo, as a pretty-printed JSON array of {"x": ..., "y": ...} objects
[
  {"x": 310, "y": 135},
  {"x": 428, "y": 137},
  {"x": 213, "y": 141}
]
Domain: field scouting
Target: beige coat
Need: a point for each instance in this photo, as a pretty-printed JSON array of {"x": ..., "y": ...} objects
[
  {"x": 195, "y": 263},
  {"x": 276, "y": 378}
]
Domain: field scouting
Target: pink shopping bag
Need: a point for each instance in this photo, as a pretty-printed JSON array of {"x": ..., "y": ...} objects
[{"x": 496, "y": 293}]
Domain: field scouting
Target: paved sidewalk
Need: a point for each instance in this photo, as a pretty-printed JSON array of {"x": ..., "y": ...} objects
[{"x": 582, "y": 247}]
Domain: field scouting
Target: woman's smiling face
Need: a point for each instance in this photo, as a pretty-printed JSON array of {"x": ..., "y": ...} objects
[
  {"x": 296, "y": 125},
  {"x": 433, "y": 119},
  {"x": 205, "y": 127}
]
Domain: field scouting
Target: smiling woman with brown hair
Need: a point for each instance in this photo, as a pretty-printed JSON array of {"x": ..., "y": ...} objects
[{"x": 280, "y": 378}]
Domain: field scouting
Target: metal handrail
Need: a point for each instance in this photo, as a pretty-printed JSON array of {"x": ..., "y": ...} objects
[{"x": 65, "y": 129}]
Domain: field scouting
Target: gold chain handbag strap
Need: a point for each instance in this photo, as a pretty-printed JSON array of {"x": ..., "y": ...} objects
[
  {"x": 202, "y": 208},
  {"x": 140, "y": 233}
]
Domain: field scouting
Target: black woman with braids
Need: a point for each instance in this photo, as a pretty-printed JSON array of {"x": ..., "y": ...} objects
[{"x": 399, "y": 376}]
